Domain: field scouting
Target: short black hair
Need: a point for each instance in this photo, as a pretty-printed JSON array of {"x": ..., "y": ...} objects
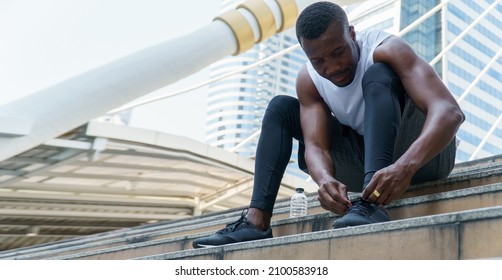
[{"x": 315, "y": 19}]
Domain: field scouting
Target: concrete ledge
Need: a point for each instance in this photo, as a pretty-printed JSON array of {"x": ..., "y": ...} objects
[
  {"x": 446, "y": 236},
  {"x": 143, "y": 233},
  {"x": 462, "y": 179},
  {"x": 403, "y": 209},
  {"x": 468, "y": 165},
  {"x": 489, "y": 169}
]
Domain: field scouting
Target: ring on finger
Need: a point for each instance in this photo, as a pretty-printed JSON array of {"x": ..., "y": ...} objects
[{"x": 376, "y": 193}]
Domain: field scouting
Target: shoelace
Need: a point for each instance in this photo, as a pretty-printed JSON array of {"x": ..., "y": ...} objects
[
  {"x": 232, "y": 226},
  {"x": 361, "y": 206}
]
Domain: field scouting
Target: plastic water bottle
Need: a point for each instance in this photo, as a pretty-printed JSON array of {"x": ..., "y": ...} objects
[{"x": 298, "y": 207}]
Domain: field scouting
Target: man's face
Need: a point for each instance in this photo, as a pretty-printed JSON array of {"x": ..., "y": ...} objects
[{"x": 334, "y": 54}]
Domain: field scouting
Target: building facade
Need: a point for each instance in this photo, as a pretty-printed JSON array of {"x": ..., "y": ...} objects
[{"x": 473, "y": 73}]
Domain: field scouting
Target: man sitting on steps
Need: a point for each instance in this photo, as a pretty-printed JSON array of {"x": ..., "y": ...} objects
[{"x": 371, "y": 117}]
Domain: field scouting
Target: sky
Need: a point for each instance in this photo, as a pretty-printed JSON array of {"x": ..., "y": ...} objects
[{"x": 46, "y": 42}]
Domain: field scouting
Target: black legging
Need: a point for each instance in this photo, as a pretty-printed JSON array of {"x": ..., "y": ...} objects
[
  {"x": 384, "y": 102},
  {"x": 281, "y": 123}
]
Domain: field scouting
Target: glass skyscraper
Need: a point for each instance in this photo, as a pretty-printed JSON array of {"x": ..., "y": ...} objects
[
  {"x": 236, "y": 104},
  {"x": 473, "y": 73}
]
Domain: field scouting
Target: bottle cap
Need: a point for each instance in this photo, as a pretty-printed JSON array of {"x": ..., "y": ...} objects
[{"x": 299, "y": 189}]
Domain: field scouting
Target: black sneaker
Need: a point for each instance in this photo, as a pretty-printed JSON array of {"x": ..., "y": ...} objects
[
  {"x": 362, "y": 213},
  {"x": 239, "y": 231}
]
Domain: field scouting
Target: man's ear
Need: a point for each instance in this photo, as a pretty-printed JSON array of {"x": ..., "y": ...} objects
[{"x": 352, "y": 33}]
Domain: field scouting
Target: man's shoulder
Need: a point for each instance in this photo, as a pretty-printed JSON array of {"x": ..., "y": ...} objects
[
  {"x": 376, "y": 36},
  {"x": 306, "y": 89}
]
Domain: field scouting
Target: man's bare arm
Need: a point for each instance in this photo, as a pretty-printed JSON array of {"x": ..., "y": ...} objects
[{"x": 315, "y": 121}]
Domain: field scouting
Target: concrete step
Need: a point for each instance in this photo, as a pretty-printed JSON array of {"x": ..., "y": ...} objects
[
  {"x": 465, "y": 175},
  {"x": 471, "y": 234},
  {"x": 467, "y": 199}
]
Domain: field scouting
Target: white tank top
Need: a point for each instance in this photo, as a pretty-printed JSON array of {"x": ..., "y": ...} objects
[{"x": 347, "y": 103}]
